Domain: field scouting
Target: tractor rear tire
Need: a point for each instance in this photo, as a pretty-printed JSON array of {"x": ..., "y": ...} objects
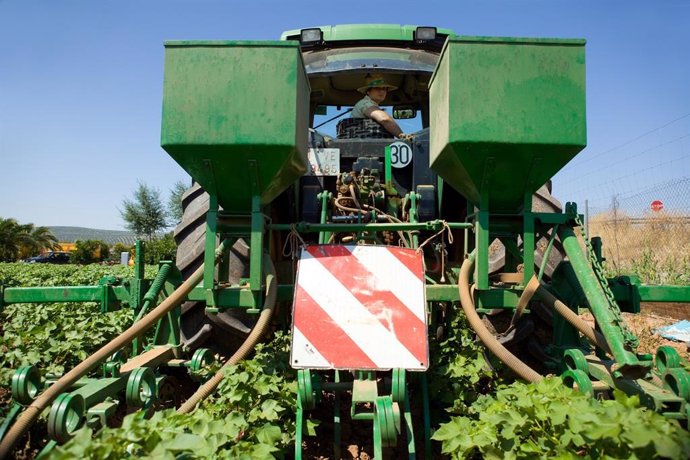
[
  {"x": 223, "y": 331},
  {"x": 542, "y": 201}
]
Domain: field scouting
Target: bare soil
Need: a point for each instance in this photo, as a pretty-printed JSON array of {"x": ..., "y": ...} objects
[{"x": 644, "y": 325}]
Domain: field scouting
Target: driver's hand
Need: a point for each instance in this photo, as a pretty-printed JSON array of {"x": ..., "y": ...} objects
[{"x": 406, "y": 137}]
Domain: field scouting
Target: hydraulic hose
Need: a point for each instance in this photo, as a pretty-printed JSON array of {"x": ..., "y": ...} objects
[
  {"x": 592, "y": 335},
  {"x": 29, "y": 416},
  {"x": 248, "y": 345},
  {"x": 512, "y": 361}
]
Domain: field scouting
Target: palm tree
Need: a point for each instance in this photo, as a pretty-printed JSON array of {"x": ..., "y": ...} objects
[
  {"x": 16, "y": 238},
  {"x": 12, "y": 237},
  {"x": 41, "y": 239}
]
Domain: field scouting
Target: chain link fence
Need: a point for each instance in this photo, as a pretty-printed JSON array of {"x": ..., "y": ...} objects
[{"x": 647, "y": 233}]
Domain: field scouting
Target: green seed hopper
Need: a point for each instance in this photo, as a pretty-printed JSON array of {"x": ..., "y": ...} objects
[
  {"x": 235, "y": 141},
  {"x": 507, "y": 115}
]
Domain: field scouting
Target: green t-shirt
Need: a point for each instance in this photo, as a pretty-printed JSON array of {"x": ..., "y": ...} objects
[{"x": 362, "y": 105}]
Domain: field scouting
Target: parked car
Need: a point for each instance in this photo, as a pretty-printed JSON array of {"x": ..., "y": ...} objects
[{"x": 50, "y": 258}]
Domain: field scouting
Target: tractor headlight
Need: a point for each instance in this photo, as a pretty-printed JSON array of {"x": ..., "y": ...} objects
[
  {"x": 423, "y": 34},
  {"x": 310, "y": 36}
]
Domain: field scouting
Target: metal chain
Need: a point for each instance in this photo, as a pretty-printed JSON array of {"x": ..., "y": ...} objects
[{"x": 630, "y": 339}]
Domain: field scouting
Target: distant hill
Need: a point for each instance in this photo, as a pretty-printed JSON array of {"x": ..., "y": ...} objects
[{"x": 72, "y": 234}]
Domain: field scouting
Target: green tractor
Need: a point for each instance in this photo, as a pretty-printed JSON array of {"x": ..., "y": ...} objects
[{"x": 364, "y": 240}]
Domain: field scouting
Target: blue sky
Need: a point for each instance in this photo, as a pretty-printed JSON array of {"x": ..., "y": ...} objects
[{"x": 81, "y": 85}]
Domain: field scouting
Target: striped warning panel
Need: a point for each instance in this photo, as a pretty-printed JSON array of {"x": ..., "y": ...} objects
[{"x": 359, "y": 307}]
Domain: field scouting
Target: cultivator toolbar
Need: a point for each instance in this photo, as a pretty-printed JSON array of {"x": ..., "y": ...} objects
[{"x": 363, "y": 258}]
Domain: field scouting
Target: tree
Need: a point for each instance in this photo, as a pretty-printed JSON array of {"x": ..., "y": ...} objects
[
  {"x": 90, "y": 251},
  {"x": 41, "y": 239},
  {"x": 163, "y": 248},
  {"x": 16, "y": 238},
  {"x": 175, "y": 202},
  {"x": 144, "y": 214}
]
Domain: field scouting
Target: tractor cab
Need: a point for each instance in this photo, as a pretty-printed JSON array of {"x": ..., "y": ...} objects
[{"x": 347, "y": 155}]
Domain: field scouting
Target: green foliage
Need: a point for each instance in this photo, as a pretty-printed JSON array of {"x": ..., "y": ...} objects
[
  {"x": 549, "y": 420},
  {"x": 653, "y": 269},
  {"x": 90, "y": 251},
  {"x": 23, "y": 239},
  {"x": 175, "y": 201},
  {"x": 144, "y": 214},
  {"x": 250, "y": 416},
  {"x": 119, "y": 248},
  {"x": 54, "y": 336},
  {"x": 158, "y": 249},
  {"x": 459, "y": 373}
]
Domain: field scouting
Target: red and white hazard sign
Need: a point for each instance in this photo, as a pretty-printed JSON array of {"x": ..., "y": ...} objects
[{"x": 359, "y": 307}]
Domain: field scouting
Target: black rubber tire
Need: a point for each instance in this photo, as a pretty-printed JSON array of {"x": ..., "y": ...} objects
[
  {"x": 542, "y": 201},
  {"x": 221, "y": 331}
]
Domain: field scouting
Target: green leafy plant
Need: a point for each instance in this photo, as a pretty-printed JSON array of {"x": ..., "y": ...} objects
[
  {"x": 249, "y": 416},
  {"x": 163, "y": 248},
  {"x": 459, "y": 373},
  {"x": 55, "y": 336},
  {"x": 549, "y": 420},
  {"x": 90, "y": 251}
]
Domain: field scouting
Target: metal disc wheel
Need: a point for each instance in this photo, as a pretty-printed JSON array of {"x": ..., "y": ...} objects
[{"x": 222, "y": 332}]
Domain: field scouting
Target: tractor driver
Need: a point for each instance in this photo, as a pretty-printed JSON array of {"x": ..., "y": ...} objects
[{"x": 375, "y": 91}]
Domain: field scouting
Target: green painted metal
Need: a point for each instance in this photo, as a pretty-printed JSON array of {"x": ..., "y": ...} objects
[
  {"x": 603, "y": 308},
  {"x": 201, "y": 358},
  {"x": 432, "y": 225},
  {"x": 66, "y": 416},
  {"x": 64, "y": 294},
  {"x": 336, "y": 418},
  {"x": 325, "y": 198},
  {"x": 299, "y": 427},
  {"x": 256, "y": 253},
  {"x": 507, "y": 114},
  {"x": 574, "y": 359},
  {"x": 666, "y": 358},
  {"x": 94, "y": 391},
  {"x": 481, "y": 271},
  {"x": 308, "y": 391},
  {"x": 149, "y": 300},
  {"x": 367, "y": 32},
  {"x": 211, "y": 236},
  {"x": 97, "y": 417},
  {"x": 9, "y": 419},
  {"x": 497, "y": 298},
  {"x": 225, "y": 297},
  {"x": 655, "y": 398},
  {"x": 650, "y": 293},
  {"x": 364, "y": 394},
  {"x": 678, "y": 381},
  {"x": 26, "y": 384},
  {"x": 528, "y": 242},
  {"x": 576, "y": 378},
  {"x": 142, "y": 389},
  {"x": 226, "y": 104}
]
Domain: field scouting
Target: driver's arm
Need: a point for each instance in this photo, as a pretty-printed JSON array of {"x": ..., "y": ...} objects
[{"x": 381, "y": 117}]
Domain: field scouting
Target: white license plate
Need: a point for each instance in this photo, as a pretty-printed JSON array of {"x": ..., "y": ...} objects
[{"x": 324, "y": 162}]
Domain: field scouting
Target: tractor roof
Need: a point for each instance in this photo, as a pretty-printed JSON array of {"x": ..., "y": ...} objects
[
  {"x": 366, "y": 32},
  {"x": 337, "y": 58}
]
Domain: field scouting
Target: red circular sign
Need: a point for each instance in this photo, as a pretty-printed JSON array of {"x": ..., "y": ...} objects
[{"x": 657, "y": 205}]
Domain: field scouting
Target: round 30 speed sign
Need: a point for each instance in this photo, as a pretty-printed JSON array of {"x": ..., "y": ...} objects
[{"x": 401, "y": 154}]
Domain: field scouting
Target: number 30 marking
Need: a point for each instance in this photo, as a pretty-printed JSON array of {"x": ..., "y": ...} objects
[{"x": 401, "y": 154}]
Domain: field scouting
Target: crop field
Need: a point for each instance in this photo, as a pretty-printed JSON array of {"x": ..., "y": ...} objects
[{"x": 478, "y": 410}]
